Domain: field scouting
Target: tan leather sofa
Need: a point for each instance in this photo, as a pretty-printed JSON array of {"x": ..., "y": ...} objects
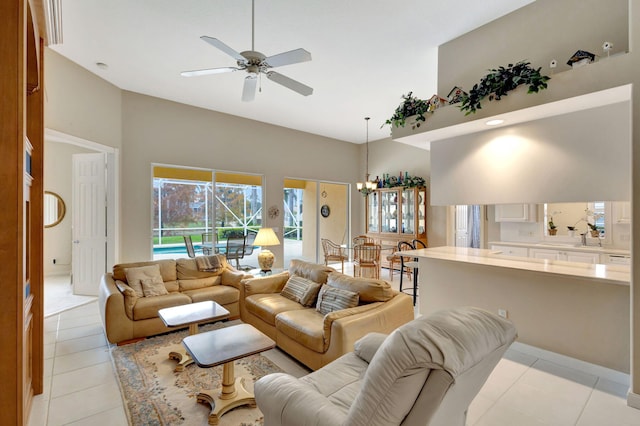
[
  {"x": 309, "y": 336},
  {"x": 126, "y": 316},
  {"x": 426, "y": 372}
]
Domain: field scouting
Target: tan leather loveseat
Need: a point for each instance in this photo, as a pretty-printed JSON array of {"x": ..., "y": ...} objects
[
  {"x": 128, "y": 313},
  {"x": 316, "y": 338}
]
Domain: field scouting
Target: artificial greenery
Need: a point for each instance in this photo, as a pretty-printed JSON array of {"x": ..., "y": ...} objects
[
  {"x": 410, "y": 106},
  {"x": 593, "y": 226},
  {"x": 551, "y": 224},
  {"x": 499, "y": 81}
]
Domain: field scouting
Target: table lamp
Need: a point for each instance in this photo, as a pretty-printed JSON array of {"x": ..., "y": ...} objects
[{"x": 266, "y": 237}]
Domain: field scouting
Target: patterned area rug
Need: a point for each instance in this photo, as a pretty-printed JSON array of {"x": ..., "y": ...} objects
[{"x": 156, "y": 395}]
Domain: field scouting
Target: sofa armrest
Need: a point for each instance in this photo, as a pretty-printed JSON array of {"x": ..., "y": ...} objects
[
  {"x": 343, "y": 313},
  {"x": 265, "y": 285},
  {"x": 117, "y": 326},
  {"x": 382, "y": 317},
  {"x": 233, "y": 277},
  {"x": 367, "y": 346},
  {"x": 285, "y": 400}
]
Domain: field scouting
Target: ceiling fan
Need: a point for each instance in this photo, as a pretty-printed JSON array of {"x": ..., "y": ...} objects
[{"x": 255, "y": 63}]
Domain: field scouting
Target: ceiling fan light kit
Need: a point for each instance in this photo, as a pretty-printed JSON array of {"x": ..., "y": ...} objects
[{"x": 255, "y": 63}]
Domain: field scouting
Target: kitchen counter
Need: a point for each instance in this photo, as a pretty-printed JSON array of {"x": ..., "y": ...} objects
[
  {"x": 614, "y": 274},
  {"x": 556, "y": 305}
]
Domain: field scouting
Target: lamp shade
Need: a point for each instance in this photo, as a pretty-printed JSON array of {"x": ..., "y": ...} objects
[{"x": 266, "y": 237}]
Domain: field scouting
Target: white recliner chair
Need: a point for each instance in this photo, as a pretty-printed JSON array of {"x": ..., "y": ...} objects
[{"x": 426, "y": 372}]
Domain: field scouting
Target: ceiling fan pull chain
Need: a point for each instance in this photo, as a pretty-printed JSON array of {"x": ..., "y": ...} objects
[{"x": 260, "y": 82}]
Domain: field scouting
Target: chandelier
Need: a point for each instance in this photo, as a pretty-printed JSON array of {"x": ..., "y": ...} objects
[{"x": 366, "y": 187}]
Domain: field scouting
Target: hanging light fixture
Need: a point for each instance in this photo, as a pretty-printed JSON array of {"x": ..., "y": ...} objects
[{"x": 366, "y": 187}]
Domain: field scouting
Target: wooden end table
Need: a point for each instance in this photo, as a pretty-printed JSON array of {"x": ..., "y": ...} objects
[
  {"x": 190, "y": 314},
  {"x": 224, "y": 346}
]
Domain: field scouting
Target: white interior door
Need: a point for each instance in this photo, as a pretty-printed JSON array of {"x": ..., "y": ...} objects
[
  {"x": 462, "y": 226},
  {"x": 89, "y": 222}
]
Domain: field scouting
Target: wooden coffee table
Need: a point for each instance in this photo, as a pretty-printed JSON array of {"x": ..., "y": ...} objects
[
  {"x": 191, "y": 314},
  {"x": 224, "y": 346}
]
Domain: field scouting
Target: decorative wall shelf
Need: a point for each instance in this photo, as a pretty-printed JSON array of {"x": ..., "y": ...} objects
[{"x": 601, "y": 83}]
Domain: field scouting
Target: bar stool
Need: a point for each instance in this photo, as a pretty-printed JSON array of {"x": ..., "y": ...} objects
[{"x": 410, "y": 263}]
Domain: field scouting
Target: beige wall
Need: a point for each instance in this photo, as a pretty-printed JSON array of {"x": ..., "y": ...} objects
[
  {"x": 558, "y": 313},
  {"x": 542, "y": 31},
  {"x": 578, "y": 156},
  {"x": 159, "y": 131},
  {"x": 80, "y": 103}
]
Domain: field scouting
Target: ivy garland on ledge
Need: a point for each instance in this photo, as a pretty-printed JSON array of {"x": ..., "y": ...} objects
[
  {"x": 499, "y": 81},
  {"x": 410, "y": 106},
  {"x": 495, "y": 85}
]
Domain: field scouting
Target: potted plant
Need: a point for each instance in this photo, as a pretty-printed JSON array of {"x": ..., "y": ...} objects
[
  {"x": 499, "y": 81},
  {"x": 595, "y": 232},
  {"x": 410, "y": 106},
  {"x": 571, "y": 231},
  {"x": 553, "y": 229}
]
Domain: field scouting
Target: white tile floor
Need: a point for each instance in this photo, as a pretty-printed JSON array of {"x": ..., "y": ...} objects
[{"x": 81, "y": 387}]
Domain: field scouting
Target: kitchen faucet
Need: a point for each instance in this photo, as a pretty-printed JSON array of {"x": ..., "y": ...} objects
[{"x": 584, "y": 239}]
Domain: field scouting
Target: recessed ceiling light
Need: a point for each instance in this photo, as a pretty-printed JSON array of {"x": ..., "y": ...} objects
[
  {"x": 494, "y": 122},
  {"x": 102, "y": 65}
]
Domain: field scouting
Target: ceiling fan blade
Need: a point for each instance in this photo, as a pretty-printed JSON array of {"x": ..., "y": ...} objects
[
  {"x": 209, "y": 71},
  {"x": 249, "y": 89},
  {"x": 226, "y": 49},
  {"x": 289, "y": 83},
  {"x": 287, "y": 58}
]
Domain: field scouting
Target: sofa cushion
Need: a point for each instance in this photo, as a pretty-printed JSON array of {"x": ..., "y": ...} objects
[
  {"x": 196, "y": 283},
  {"x": 147, "y": 307},
  {"x": 305, "y": 326},
  {"x": 153, "y": 287},
  {"x": 187, "y": 269},
  {"x": 221, "y": 294},
  {"x": 301, "y": 290},
  {"x": 369, "y": 289},
  {"x": 167, "y": 269},
  {"x": 135, "y": 276},
  {"x": 267, "y": 306},
  {"x": 335, "y": 299},
  {"x": 312, "y": 271},
  {"x": 172, "y": 286}
]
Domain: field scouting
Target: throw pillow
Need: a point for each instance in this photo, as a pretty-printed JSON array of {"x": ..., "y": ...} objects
[
  {"x": 334, "y": 299},
  {"x": 301, "y": 290},
  {"x": 153, "y": 287},
  {"x": 136, "y": 275}
]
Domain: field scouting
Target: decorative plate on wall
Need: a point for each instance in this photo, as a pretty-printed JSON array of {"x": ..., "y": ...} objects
[
  {"x": 325, "y": 211},
  {"x": 273, "y": 212}
]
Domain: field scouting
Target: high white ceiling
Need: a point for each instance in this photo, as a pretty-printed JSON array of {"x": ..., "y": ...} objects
[{"x": 365, "y": 53}]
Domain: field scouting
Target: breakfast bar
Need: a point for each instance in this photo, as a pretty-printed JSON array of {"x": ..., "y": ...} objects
[{"x": 575, "y": 309}]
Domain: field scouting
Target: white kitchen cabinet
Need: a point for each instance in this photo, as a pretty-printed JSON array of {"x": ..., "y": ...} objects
[
  {"x": 621, "y": 211},
  {"x": 568, "y": 255},
  {"x": 510, "y": 251},
  {"x": 516, "y": 212},
  {"x": 538, "y": 253},
  {"x": 579, "y": 256}
]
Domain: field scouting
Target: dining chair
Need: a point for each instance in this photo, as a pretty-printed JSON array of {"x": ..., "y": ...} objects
[
  {"x": 410, "y": 263},
  {"x": 248, "y": 247},
  {"x": 235, "y": 247},
  {"x": 333, "y": 252},
  {"x": 208, "y": 244},
  {"x": 361, "y": 239},
  {"x": 189, "y": 244},
  {"x": 366, "y": 256}
]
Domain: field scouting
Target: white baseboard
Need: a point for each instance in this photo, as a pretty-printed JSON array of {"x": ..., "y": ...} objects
[
  {"x": 576, "y": 364},
  {"x": 633, "y": 400}
]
